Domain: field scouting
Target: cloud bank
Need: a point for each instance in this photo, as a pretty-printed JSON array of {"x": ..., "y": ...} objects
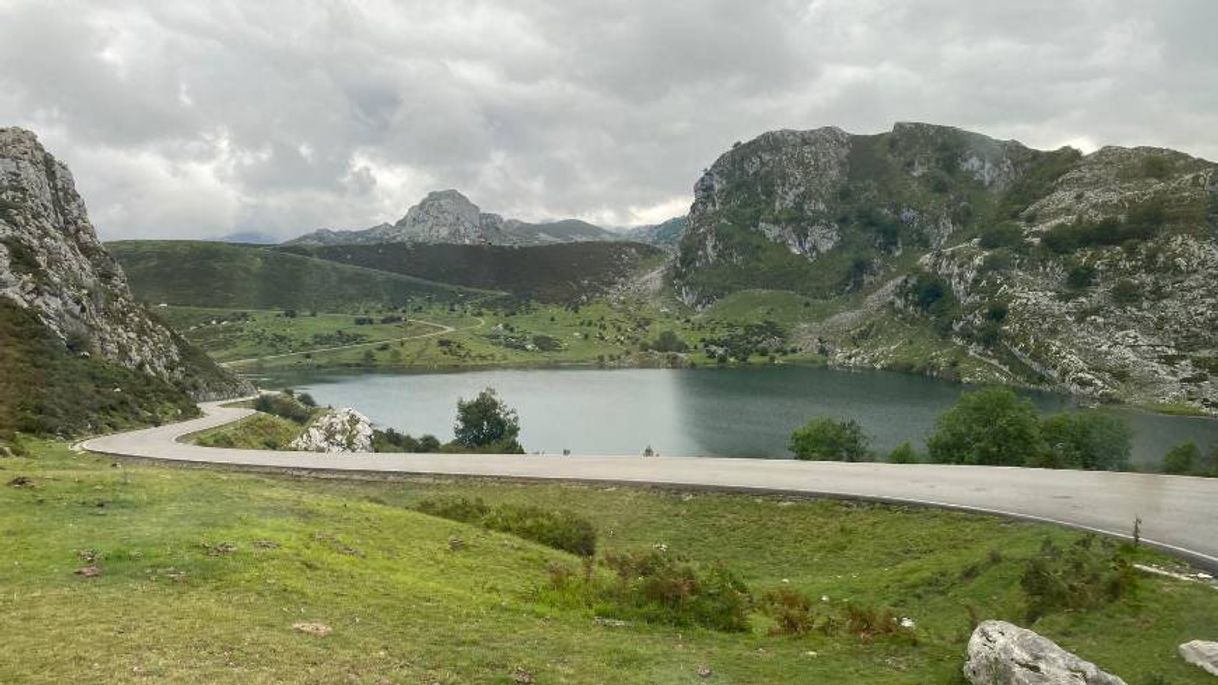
[{"x": 200, "y": 119}]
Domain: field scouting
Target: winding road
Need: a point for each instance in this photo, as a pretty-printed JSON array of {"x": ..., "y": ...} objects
[{"x": 1179, "y": 514}]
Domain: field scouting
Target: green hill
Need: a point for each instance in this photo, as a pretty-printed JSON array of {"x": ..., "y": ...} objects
[
  {"x": 207, "y": 274},
  {"x": 548, "y": 273}
]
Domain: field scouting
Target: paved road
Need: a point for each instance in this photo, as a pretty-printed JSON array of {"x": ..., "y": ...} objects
[{"x": 1179, "y": 514}]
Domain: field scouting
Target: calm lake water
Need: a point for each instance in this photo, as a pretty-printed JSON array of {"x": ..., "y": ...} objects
[{"x": 708, "y": 412}]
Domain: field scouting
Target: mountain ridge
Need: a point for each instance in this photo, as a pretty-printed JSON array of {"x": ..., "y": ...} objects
[
  {"x": 1091, "y": 274},
  {"x": 449, "y": 217}
]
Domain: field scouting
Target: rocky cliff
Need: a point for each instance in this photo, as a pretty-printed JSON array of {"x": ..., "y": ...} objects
[
  {"x": 1093, "y": 274},
  {"x": 448, "y": 217},
  {"x": 64, "y": 298}
]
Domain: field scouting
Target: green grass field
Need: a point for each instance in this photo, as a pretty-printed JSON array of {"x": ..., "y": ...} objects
[
  {"x": 203, "y": 574},
  {"x": 228, "y": 335}
]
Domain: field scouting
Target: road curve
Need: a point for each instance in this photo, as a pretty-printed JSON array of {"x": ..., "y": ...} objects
[{"x": 1179, "y": 514}]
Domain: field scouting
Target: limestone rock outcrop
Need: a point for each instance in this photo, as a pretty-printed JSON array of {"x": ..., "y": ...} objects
[
  {"x": 53, "y": 266},
  {"x": 336, "y": 430},
  {"x": 1000, "y": 653}
]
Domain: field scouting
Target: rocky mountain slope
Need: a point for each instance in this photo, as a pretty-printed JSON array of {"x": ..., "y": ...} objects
[
  {"x": 79, "y": 352},
  {"x": 1093, "y": 274},
  {"x": 666, "y": 235},
  {"x": 448, "y": 217}
]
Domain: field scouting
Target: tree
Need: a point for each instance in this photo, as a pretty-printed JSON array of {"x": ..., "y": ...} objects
[
  {"x": 486, "y": 424},
  {"x": 990, "y": 426},
  {"x": 826, "y": 438},
  {"x": 1086, "y": 440},
  {"x": 668, "y": 341}
]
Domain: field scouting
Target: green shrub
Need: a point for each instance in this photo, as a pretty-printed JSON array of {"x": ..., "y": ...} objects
[
  {"x": 932, "y": 295},
  {"x": 826, "y": 438},
  {"x": 1182, "y": 458},
  {"x": 658, "y": 587},
  {"x": 558, "y": 529},
  {"x": 389, "y": 440},
  {"x": 554, "y": 528},
  {"x": 1186, "y": 459},
  {"x": 903, "y": 454},
  {"x": 1089, "y": 573},
  {"x": 1142, "y": 222},
  {"x": 1005, "y": 234},
  {"x": 1081, "y": 276},
  {"x": 791, "y": 610},
  {"x": 1088, "y": 440},
  {"x": 668, "y": 341},
  {"x": 990, "y": 426},
  {"x": 455, "y": 508},
  {"x": 1126, "y": 292},
  {"x": 284, "y": 406}
]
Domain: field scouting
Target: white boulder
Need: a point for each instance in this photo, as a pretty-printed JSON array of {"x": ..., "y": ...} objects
[
  {"x": 336, "y": 430},
  {"x": 1000, "y": 653},
  {"x": 1202, "y": 654}
]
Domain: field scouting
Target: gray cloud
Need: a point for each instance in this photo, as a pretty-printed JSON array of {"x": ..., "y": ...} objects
[{"x": 199, "y": 119}]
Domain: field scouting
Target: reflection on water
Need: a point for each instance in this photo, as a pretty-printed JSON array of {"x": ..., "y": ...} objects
[{"x": 710, "y": 412}]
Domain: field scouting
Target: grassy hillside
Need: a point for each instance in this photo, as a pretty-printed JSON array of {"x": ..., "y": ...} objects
[
  {"x": 229, "y": 335},
  {"x": 209, "y": 274},
  {"x": 201, "y": 576},
  {"x": 548, "y": 273},
  {"x": 46, "y": 388}
]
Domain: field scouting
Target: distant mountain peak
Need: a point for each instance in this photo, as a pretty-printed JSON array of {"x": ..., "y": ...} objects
[{"x": 449, "y": 217}]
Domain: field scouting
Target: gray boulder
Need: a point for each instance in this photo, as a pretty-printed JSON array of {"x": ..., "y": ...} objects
[
  {"x": 1000, "y": 653},
  {"x": 1202, "y": 654}
]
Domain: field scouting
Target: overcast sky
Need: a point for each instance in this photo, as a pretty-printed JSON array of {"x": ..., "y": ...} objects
[{"x": 203, "y": 118}]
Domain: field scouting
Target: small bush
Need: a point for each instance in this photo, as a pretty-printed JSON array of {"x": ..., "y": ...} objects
[
  {"x": 903, "y": 454},
  {"x": 668, "y": 341},
  {"x": 558, "y": 529},
  {"x": 455, "y": 508},
  {"x": 1081, "y": 276},
  {"x": 1006, "y": 234},
  {"x": 791, "y": 610},
  {"x": 826, "y": 438},
  {"x": 1089, "y": 573},
  {"x": 1126, "y": 292},
  {"x": 658, "y": 587},
  {"x": 390, "y": 440},
  {"x": 284, "y": 406}
]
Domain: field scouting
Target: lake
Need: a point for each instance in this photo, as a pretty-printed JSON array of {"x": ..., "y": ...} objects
[{"x": 747, "y": 412}]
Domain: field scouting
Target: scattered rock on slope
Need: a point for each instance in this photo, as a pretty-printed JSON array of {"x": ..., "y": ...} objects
[
  {"x": 1000, "y": 653},
  {"x": 1202, "y": 654}
]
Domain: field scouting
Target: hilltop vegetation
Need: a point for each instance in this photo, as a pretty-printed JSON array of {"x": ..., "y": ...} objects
[
  {"x": 573, "y": 272},
  {"x": 282, "y": 579},
  {"x": 207, "y": 274}
]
